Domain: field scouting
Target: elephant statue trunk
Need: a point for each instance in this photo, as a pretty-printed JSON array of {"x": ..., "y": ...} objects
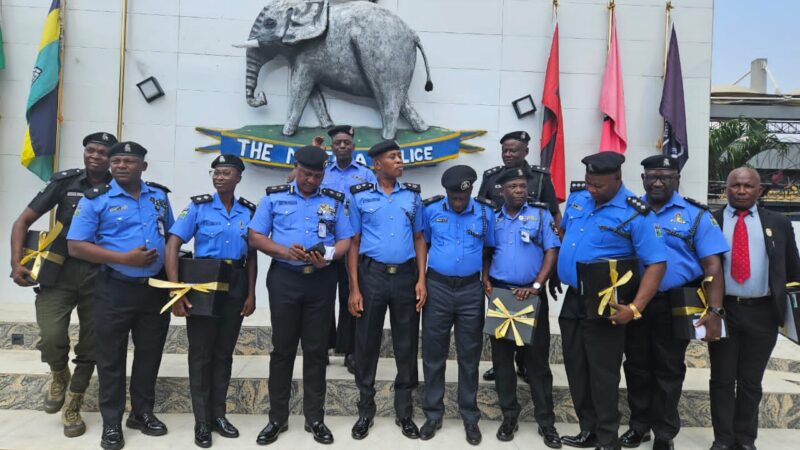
[{"x": 256, "y": 58}]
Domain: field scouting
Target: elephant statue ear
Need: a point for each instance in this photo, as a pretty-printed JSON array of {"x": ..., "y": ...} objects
[{"x": 306, "y": 20}]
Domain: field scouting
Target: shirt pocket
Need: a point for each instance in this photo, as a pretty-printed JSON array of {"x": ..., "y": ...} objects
[
  {"x": 439, "y": 233},
  {"x": 210, "y": 230},
  {"x": 285, "y": 217},
  {"x": 371, "y": 212}
]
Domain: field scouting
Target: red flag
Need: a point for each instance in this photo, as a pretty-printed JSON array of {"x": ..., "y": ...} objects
[
  {"x": 552, "y": 143},
  {"x": 612, "y": 99}
]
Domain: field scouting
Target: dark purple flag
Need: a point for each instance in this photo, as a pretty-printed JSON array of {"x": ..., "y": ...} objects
[{"x": 672, "y": 106}]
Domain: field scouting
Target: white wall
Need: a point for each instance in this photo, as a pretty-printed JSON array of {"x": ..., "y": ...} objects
[{"x": 483, "y": 55}]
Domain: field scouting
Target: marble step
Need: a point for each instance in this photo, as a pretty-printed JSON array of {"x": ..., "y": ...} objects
[{"x": 23, "y": 379}]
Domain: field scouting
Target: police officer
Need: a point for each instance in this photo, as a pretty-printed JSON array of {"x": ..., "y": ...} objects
[
  {"x": 340, "y": 176},
  {"x": 654, "y": 368},
  {"x": 303, "y": 228},
  {"x": 74, "y": 287},
  {"x": 457, "y": 228},
  {"x": 603, "y": 219},
  {"x": 387, "y": 270},
  {"x": 525, "y": 255},
  {"x": 218, "y": 224},
  {"x": 122, "y": 226},
  {"x": 540, "y": 189}
]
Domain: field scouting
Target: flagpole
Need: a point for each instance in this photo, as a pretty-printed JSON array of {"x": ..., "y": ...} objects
[
  {"x": 121, "y": 95},
  {"x": 611, "y": 7},
  {"x": 666, "y": 37},
  {"x": 62, "y": 48},
  {"x": 555, "y": 10}
]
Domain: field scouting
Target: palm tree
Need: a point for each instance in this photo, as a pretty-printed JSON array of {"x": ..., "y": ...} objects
[{"x": 732, "y": 143}]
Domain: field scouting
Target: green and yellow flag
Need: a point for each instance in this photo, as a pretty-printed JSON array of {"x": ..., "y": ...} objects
[
  {"x": 39, "y": 146},
  {"x": 2, "y": 55}
]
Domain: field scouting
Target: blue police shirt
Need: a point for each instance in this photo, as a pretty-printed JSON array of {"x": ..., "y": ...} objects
[
  {"x": 521, "y": 242},
  {"x": 387, "y": 223},
  {"x": 677, "y": 217},
  {"x": 289, "y": 218},
  {"x": 589, "y": 235},
  {"x": 217, "y": 233},
  {"x": 116, "y": 221},
  {"x": 341, "y": 180},
  {"x": 457, "y": 239}
]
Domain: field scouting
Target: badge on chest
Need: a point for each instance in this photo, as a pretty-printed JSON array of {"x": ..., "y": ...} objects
[{"x": 525, "y": 235}]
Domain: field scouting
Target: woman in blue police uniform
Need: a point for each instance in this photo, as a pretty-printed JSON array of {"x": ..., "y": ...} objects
[
  {"x": 218, "y": 225},
  {"x": 122, "y": 226},
  {"x": 303, "y": 228},
  {"x": 524, "y": 257}
]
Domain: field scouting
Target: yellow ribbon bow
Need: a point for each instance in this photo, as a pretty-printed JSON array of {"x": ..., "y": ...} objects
[
  {"x": 510, "y": 320},
  {"x": 691, "y": 310},
  {"x": 183, "y": 288},
  {"x": 609, "y": 294},
  {"x": 45, "y": 239}
]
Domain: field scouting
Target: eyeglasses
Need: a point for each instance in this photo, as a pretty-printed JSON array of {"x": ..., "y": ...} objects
[
  {"x": 227, "y": 174},
  {"x": 665, "y": 179}
]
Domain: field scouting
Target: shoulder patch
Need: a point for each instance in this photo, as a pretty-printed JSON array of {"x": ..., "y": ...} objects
[
  {"x": 492, "y": 171},
  {"x": 247, "y": 204},
  {"x": 696, "y": 203},
  {"x": 638, "y": 204},
  {"x": 486, "y": 201},
  {"x": 159, "y": 186},
  {"x": 356, "y": 188},
  {"x": 432, "y": 200},
  {"x": 336, "y": 195},
  {"x": 278, "y": 188},
  {"x": 199, "y": 199},
  {"x": 64, "y": 174},
  {"x": 576, "y": 186},
  {"x": 536, "y": 204},
  {"x": 413, "y": 187},
  {"x": 96, "y": 191},
  {"x": 541, "y": 169}
]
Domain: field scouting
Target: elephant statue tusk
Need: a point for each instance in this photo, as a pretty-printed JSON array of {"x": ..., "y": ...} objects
[{"x": 249, "y": 44}]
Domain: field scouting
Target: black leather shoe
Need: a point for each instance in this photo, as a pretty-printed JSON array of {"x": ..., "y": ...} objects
[
  {"x": 361, "y": 428},
  {"x": 716, "y": 446},
  {"x": 473, "y": 433},
  {"x": 321, "y": 433},
  {"x": 489, "y": 374},
  {"x": 745, "y": 447},
  {"x": 224, "y": 428},
  {"x": 112, "y": 438},
  {"x": 550, "y": 437},
  {"x": 507, "y": 429},
  {"x": 609, "y": 447},
  {"x": 202, "y": 434},
  {"x": 269, "y": 433},
  {"x": 147, "y": 423},
  {"x": 429, "y": 428},
  {"x": 633, "y": 438},
  {"x": 663, "y": 444},
  {"x": 350, "y": 363},
  {"x": 585, "y": 439},
  {"x": 408, "y": 427}
]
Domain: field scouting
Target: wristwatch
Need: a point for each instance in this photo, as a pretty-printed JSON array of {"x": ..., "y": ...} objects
[
  {"x": 636, "y": 314},
  {"x": 719, "y": 311},
  {"x": 537, "y": 285}
]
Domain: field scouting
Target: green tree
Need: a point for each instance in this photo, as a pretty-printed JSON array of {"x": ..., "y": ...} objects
[{"x": 732, "y": 143}]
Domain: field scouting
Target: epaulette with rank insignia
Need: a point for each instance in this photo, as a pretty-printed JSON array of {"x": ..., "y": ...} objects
[
  {"x": 486, "y": 201},
  {"x": 434, "y": 199},
  {"x": 278, "y": 188},
  {"x": 200, "y": 199},
  {"x": 489, "y": 172},
  {"x": 638, "y": 204},
  {"x": 96, "y": 191},
  {"x": 576, "y": 186},
  {"x": 536, "y": 204},
  {"x": 541, "y": 169},
  {"x": 159, "y": 186},
  {"x": 64, "y": 174},
  {"x": 356, "y": 188},
  {"x": 696, "y": 203},
  {"x": 336, "y": 195},
  {"x": 413, "y": 187},
  {"x": 247, "y": 204}
]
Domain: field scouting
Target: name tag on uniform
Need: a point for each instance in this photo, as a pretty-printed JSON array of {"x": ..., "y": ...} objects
[
  {"x": 322, "y": 230},
  {"x": 161, "y": 230},
  {"x": 74, "y": 194},
  {"x": 525, "y": 236}
]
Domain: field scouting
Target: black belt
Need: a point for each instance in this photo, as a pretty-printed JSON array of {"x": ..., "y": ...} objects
[
  {"x": 240, "y": 263},
  {"x": 306, "y": 269},
  {"x": 748, "y": 300},
  {"x": 503, "y": 285},
  {"x": 119, "y": 276},
  {"x": 454, "y": 282},
  {"x": 391, "y": 269}
]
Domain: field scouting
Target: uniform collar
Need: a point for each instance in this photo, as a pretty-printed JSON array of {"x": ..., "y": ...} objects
[
  {"x": 731, "y": 211},
  {"x": 522, "y": 209},
  {"x": 293, "y": 189},
  {"x": 335, "y": 165},
  {"x": 675, "y": 200},
  {"x": 83, "y": 178},
  {"x": 468, "y": 210},
  {"x": 217, "y": 204},
  {"x": 116, "y": 189},
  {"x": 620, "y": 198}
]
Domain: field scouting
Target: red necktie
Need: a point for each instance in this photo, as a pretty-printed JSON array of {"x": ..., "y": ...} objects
[{"x": 740, "y": 255}]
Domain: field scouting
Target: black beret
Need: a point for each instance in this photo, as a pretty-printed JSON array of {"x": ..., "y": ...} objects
[
  {"x": 101, "y": 138},
  {"x": 459, "y": 178},
  {"x": 512, "y": 173},
  {"x": 311, "y": 157},
  {"x": 383, "y": 147},
  {"x": 228, "y": 160},
  {"x": 346, "y": 129},
  {"x": 660, "y": 162},
  {"x": 603, "y": 162},
  {"x": 127, "y": 148},
  {"x": 518, "y": 135}
]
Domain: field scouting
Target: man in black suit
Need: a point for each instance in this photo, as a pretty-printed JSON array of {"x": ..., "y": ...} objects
[{"x": 763, "y": 258}]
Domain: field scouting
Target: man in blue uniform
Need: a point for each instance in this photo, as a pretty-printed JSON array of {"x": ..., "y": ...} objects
[
  {"x": 457, "y": 228},
  {"x": 122, "y": 226},
  {"x": 303, "y": 228},
  {"x": 654, "y": 368},
  {"x": 603, "y": 219},
  {"x": 387, "y": 271},
  {"x": 525, "y": 255},
  {"x": 340, "y": 176}
]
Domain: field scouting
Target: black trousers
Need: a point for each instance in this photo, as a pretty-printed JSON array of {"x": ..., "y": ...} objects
[
  {"x": 300, "y": 307},
  {"x": 737, "y": 369},
  {"x": 211, "y": 344},
  {"x": 395, "y": 292},
  {"x": 593, "y": 351},
  {"x": 654, "y": 370},
  {"x": 460, "y": 308},
  {"x": 345, "y": 332},
  {"x": 121, "y": 309}
]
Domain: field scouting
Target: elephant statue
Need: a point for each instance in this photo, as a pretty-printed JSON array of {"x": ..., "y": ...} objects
[{"x": 359, "y": 48}]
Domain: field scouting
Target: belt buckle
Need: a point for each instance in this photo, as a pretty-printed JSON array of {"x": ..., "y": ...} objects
[
  {"x": 308, "y": 269},
  {"x": 391, "y": 269}
]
